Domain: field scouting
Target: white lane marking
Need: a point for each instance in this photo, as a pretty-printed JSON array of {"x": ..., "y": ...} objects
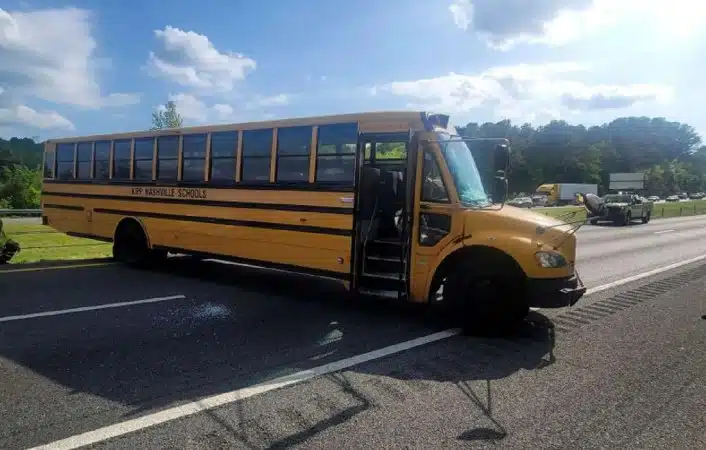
[
  {"x": 663, "y": 231},
  {"x": 90, "y": 308},
  {"x": 642, "y": 275},
  {"x": 167, "y": 415},
  {"x": 188, "y": 409}
]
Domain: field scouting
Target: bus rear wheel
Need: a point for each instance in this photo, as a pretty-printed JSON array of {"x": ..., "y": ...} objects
[
  {"x": 488, "y": 302},
  {"x": 130, "y": 246}
]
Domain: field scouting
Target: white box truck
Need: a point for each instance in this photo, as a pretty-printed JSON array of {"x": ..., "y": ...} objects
[{"x": 556, "y": 194}]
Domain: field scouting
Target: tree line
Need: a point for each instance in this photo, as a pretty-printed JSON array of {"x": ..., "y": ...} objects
[{"x": 670, "y": 153}]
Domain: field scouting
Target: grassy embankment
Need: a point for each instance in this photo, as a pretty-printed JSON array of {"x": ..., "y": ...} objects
[{"x": 42, "y": 243}]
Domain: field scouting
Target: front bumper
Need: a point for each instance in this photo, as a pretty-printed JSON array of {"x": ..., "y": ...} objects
[{"x": 555, "y": 292}]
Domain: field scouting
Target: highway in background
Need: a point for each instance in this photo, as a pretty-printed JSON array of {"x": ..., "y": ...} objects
[
  {"x": 625, "y": 369},
  {"x": 607, "y": 253}
]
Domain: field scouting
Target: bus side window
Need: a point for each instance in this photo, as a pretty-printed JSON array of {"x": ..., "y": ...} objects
[
  {"x": 121, "y": 160},
  {"x": 335, "y": 153},
  {"x": 293, "y": 149},
  {"x": 84, "y": 156},
  {"x": 391, "y": 150},
  {"x": 101, "y": 160},
  {"x": 144, "y": 154},
  {"x": 194, "y": 157},
  {"x": 167, "y": 155},
  {"x": 257, "y": 150},
  {"x": 224, "y": 146},
  {"x": 49, "y": 163},
  {"x": 433, "y": 187},
  {"x": 65, "y": 158}
]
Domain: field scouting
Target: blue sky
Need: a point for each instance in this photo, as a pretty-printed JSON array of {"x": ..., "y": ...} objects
[{"x": 103, "y": 66}]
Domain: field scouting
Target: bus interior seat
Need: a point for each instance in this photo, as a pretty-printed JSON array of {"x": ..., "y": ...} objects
[
  {"x": 369, "y": 191},
  {"x": 391, "y": 199}
]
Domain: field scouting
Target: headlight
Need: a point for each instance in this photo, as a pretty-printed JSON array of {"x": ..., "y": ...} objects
[{"x": 550, "y": 259}]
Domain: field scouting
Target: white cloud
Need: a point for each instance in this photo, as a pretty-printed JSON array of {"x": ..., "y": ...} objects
[
  {"x": 461, "y": 11},
  {"x": 522, "y": 92},
  {"x": 49, "y": 54},
  {"x": 191, "y": 60},
  {"x": 194, "y": 109},
  {"x": 20, "y": 115},
  {"x": 506, "y": 23}
]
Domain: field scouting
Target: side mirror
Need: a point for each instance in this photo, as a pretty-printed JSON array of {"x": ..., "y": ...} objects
[
  {"x": 500, "y": 187},
  {"x": 501, "y": 158}
]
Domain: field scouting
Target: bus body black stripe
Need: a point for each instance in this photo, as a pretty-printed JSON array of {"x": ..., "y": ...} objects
[
  {"x": 68, "y": 207},
  {"x": 233, "y": 222},
  {"x": 216, "y": 203},
  {"x": 262, "y": 264},
  {"x": 309, "y": 187}
]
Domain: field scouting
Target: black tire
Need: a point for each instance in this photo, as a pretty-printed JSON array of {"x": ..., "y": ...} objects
[
  {"x": 646, "y": 218},
  {"x": 488, "y": 302},
  {"x": 594, "y": 221},
  {"x": 130, "y": 246}
]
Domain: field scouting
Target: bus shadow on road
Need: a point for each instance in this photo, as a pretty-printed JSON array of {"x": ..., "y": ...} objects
[
  {"x": 149, "y": 367},
  {"x": 362, "y": 395}
]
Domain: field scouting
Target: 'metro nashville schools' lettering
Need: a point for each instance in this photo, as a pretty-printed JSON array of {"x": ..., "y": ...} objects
[{"x": 169, "y": 192}]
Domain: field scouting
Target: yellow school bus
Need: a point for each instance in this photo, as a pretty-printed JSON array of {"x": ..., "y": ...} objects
[{"x": 392, "y": 204}]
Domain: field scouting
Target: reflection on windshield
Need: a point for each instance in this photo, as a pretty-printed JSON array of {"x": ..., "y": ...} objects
[{"x": 463, "y": 168}]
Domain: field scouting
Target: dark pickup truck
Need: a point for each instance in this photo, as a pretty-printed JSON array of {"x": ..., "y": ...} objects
[{"x": 622, "y": 209}]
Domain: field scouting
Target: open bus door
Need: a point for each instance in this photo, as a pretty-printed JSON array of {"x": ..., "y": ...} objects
[{"x": 380, "y": 261}]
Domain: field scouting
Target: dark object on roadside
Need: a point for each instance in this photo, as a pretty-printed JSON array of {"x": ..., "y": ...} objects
[
  {"x": 621, "y": 208},
  {"x": 8, "y": 247},
  {"x": 593, "y": 204}
]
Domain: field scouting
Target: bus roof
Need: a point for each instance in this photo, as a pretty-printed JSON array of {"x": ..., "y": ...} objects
[{"x": 378, "y": 121}]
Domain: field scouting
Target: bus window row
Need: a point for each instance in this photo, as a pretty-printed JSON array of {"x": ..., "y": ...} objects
[{"x": 334, "y": 157}]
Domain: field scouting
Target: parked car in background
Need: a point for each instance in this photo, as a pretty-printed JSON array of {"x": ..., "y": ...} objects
[
  {"x": 521, "y": 202},
  {"x": 672, "y": 198},
  {"x": 653, "y": 198},
  {"x": 540, "y": 200}
]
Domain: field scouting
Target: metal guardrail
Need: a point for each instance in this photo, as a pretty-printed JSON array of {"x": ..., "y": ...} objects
[{"x": 20, "y": 212}]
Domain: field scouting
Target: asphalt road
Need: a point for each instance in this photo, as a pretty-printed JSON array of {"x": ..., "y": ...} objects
[
  {"x": 626, "y": 368},
  {"x": 607, "y": 253}
]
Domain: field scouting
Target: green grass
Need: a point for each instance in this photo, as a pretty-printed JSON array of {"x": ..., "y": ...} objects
[
  {"x": 659, "y": 210},
  {"x": 42, "y": 243}
]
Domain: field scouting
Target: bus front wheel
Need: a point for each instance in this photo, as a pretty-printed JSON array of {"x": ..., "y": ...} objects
[{"x": 489, "y": 301}]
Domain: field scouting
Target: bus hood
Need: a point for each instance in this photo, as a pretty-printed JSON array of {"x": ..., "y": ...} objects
[
  {"x": 522, "y": 230},
  {"x": 518, "y": 221},
  {"x": 531, "y": 217}
]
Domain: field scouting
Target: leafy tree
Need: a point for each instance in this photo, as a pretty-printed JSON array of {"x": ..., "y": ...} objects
[
  {"x": 21, "y": 187},
  {"x": 168, "y": 117}
]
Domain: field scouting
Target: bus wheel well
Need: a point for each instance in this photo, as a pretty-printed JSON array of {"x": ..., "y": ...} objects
[
  {"x": 484, "y": 256},
  {"x": 131, "y": 244},
  {"x": 127, "y": 226}
]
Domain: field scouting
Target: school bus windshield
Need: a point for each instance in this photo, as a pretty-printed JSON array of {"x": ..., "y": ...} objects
[{"x": 464, "y": 171}]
